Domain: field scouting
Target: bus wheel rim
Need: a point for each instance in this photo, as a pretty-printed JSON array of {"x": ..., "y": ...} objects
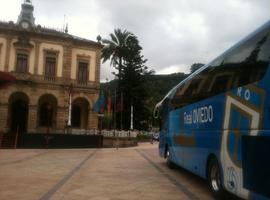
[
  {"x": 168, "y": 154},
  {"x": 215, "y": 178}
]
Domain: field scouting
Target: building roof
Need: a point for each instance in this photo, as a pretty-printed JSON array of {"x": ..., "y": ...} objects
[
  {"x": 26, "y": 25},
  {"x": 47, "y": 32}
]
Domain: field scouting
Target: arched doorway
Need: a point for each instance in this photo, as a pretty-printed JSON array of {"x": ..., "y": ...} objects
[
  {"x": 47, "y": 111},
  {"x": 18, "y": 112},
  {"x": 79, "y": 114}
]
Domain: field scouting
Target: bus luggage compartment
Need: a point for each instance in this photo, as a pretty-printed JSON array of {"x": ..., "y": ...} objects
[{"x": 256, "y": 164}]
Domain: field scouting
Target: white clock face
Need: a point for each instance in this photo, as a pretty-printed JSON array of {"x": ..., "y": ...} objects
[{"x": 25, "y": 25}]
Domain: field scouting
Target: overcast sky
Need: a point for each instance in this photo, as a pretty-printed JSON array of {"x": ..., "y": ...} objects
[{"x": 173, "y": 33}]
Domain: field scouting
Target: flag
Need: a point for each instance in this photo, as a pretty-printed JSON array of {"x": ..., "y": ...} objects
[
  {"x": 100, "y": 104},
  {"x": 109, "y": 105},
  {"x": 6, "y": 79},
  {"x": 119, "y": 105}
]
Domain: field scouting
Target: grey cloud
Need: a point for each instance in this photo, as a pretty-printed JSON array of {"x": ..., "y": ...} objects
[
  {"x": 172, "y": 33},
  {"x": 186, "y": 31}
]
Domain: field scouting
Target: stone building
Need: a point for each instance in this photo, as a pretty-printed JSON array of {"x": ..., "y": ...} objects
[{"x": 49, "y": 65}]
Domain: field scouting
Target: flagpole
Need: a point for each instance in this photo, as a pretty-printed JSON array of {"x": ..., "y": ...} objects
[
  {"x": 131, "y": 117},
  {"x": 115, "y": 134},
  {"x": 70, "y": 106},
  {"x": 114, "y": 110},
  {"x": 121, "y": 110}
]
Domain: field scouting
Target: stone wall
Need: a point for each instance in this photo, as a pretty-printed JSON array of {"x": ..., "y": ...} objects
[
  {"x": 119, "y": 142},
  {"x": 33, "y": 91}
]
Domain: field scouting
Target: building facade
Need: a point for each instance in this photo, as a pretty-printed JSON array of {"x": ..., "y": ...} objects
[{"x": 52, "y": 69}]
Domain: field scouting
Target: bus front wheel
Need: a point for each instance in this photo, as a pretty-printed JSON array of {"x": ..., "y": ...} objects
[
  {"x": 169, "y": 162},
  {"x": 214, "y": 179}
]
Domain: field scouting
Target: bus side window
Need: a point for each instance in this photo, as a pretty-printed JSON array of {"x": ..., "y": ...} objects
[
  {"x": 250, "y": 60},
  {"x": 193, "y": 87},
  {"x": 259, "y": 75},
  {"x": 178, "y": 99},
  {"x": 221, "y": 83},
  {"x": 243, "y": 65},
  {"x": 209, "y": 75}
]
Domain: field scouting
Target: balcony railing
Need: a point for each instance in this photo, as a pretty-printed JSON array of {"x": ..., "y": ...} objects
[
  {"x": 49, "y": 78},
  {"x": 54, "y": 80},
  {"x": 82, "y": 82}
]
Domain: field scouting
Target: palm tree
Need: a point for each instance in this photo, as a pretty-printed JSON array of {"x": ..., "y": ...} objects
[{"x": 115, "y": 49}]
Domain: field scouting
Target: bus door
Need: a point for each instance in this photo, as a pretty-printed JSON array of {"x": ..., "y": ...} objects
[{"x": 176, "y": 135}]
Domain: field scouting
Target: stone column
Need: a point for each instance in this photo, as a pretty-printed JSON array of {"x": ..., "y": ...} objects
[
  {"x": 97, "y": 67},
  {"x": 62, "y": 109},
  {"x": 92, "y": 120},
  {"x": 61, "y": 118},
  {"x": 32, "y": 119},
  {"x": 37, "y": 46},
  {"x": 3, "y": 118},
  {"x": 8, "y": 47},
  {"x": 0, "y": 57},
  {"x": 67, "y": 61}
]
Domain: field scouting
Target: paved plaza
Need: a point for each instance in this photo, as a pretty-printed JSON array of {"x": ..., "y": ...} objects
[{"x": 96, "y": 174}]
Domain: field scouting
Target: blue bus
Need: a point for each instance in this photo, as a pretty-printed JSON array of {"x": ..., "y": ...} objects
[{"x": 216, "y": 122}]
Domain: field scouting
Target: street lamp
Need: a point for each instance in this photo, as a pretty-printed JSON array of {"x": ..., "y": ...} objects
[{"x": 70, "y": 105}]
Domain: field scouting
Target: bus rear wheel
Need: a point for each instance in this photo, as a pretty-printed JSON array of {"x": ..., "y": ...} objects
[{"x": 214, "y": 179}]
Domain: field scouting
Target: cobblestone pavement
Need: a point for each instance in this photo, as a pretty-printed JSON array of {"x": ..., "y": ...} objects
[{"x": 96, "y": 174}]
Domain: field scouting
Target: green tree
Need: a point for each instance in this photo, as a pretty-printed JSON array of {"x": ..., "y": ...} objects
[
  {"x": 195, "y": 67},
  {"x": 133, "y": 86},
  {"x": 115, "y": 49},
  {"x": 124, "y": 52}
]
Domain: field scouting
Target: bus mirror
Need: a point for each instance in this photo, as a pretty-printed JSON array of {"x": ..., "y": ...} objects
[{"x": 155, "y": 114}]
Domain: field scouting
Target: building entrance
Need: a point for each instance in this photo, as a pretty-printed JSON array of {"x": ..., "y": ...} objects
[{"x": 19, "y": 115}]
